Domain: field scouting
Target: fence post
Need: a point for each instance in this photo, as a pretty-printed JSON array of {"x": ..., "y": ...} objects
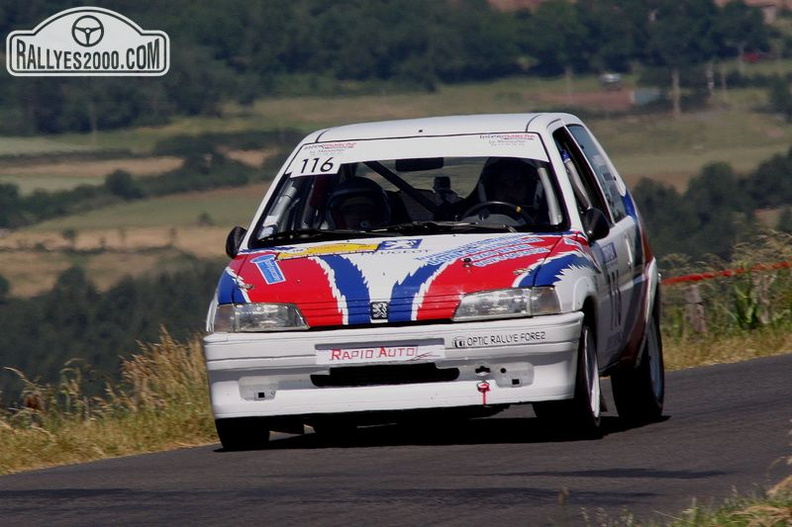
[
  {"x": 761, "y": 285},
  {"x": 694, "y": 309}
]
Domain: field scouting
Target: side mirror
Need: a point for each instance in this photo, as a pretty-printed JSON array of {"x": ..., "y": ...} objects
[
  {"x": 234, "y": 241},
  {"x": 596, "y": 224}
]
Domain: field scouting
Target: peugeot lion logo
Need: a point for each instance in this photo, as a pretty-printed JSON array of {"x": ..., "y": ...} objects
[
  {"x": 379, "y": 310},
  {"x": 87, "y": 31}
]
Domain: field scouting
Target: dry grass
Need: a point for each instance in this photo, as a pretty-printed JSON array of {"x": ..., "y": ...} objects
[
  {"x": 691, "y": 350},
  {"x": 28, "y": 273},
  {"x": 162, "y": 404}
]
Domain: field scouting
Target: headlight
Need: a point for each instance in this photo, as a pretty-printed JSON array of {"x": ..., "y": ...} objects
[
  {"x": 508, "y": 303},
  {"x": 232, "y": 318}
]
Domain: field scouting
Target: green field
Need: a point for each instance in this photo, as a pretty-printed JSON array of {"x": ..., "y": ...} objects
[
  {"x": 224, "y": 207},
  {"x": 735, "y": 129},
  {"x": 655, "y": 146},
  {"x": 28, "y": 183},
  {"x": 28, "y": 146}
]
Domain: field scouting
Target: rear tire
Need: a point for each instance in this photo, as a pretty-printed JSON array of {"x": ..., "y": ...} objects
[
  {"x": 639, "y": 392},
  {"x": 581, "y": 415},
  {"x": 242, "y": 433}
]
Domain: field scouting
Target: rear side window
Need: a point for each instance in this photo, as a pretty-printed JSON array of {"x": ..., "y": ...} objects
[{"x": 602, "y": 169}]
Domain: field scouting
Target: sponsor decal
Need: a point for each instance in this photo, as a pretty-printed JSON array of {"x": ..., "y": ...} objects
[
  {"x": 482, "y": 254},
  {"x": 87, "y": 41},
  {"x": 399, "y": 245},
  {"x": 608, "y": 254},
  {"x": 485, "y": 340},
  {"x": 325, "y": 250},
  {"x": 328, "y": 149},
  {"x": 517, "y": 139},
  {"x": 268, "y": 267},
  {"x": 378, "y": 354}
]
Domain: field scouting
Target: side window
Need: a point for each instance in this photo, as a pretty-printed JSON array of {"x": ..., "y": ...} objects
[
  {"x": 602, "y": 169},
  {"x": 587, "y": 192}
]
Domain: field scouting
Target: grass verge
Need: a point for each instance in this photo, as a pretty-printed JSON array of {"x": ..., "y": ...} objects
[{"x": 161, "y": 404}]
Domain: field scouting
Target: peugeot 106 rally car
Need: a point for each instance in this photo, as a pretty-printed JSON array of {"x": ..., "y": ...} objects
[{"x": 451, "y": 265}]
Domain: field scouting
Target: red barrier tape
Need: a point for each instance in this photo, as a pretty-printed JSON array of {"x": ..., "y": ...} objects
[{"x": 728, "y": 272}]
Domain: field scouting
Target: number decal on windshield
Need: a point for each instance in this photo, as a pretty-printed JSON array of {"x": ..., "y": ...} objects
[{"x": 315, "y": 166}]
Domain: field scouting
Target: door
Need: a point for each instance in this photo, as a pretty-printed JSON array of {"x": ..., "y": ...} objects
[{"x": 595, "y": 186}]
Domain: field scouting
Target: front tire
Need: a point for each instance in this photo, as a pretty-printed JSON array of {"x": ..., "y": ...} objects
[
  {"x": 242, "y": 433},
  {"x": 639, "y": 392},
  {"x": 582, "y": 414}
]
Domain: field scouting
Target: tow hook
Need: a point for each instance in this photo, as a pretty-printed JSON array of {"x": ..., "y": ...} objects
[{"x": 483, "y": 387}]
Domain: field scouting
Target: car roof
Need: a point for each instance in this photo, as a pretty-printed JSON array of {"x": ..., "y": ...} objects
[{"x": 446, "y": 125}]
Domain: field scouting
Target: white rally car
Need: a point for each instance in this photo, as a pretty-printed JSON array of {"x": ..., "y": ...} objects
[{"x": 452, "y": 265}]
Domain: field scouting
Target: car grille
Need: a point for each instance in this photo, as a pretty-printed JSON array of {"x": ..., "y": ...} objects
[{"x": 384, "y": 375}]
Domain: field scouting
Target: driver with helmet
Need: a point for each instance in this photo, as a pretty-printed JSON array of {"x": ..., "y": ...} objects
[
  {"x": 358, "y": 203},
  {"x": 504, "y": 182}
]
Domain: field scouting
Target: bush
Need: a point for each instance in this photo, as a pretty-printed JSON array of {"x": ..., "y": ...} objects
[{"x": 121, "y": 184}]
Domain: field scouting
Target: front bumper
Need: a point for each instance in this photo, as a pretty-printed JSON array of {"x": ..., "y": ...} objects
[{"x": 482, "y": 363}]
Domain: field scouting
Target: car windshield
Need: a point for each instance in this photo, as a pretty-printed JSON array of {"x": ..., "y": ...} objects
[{"x": 500, "y": 182}]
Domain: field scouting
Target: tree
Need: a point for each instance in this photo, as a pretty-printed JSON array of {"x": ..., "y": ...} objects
[
  {"x": 5, "y": 289},
  {"x": 121, "y": 183},
  {"x": 680, "y": 35},
  {"x": 611, "y": 32},
  {"x": 785, "y": 220},
  {"x": 70, "y": 235},
  {"x": 770, "y": 185},
  {"x": 669, "y": 218},
  {"x": 10, "y": 206},
  {"x": 723, "y": 208},
  {"x": 739, "y": 27},
  {"x": 780, "y": 97},
  {"x": 559, "y": 39},
  {"x": 717, "y": 188}
]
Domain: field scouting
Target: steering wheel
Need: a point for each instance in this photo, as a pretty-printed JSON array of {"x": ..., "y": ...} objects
[{"x": 513, "y": 211}]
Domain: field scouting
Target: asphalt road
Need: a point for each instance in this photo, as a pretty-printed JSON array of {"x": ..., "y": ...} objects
[{"x": 727, "y": 429}]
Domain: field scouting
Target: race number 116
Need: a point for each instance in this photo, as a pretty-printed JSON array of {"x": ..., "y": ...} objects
[{"x": 315, "y": 166}]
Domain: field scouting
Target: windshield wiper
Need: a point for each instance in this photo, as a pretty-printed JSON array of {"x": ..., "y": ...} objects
[
  {"x": 430, "y": 227},
  {"x": 314, "y": 235}
]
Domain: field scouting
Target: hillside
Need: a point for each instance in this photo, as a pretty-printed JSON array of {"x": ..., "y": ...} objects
[{"x": 126, "y": 238}]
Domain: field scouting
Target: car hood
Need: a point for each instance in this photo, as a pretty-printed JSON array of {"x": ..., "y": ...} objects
[{"x": 378, "y": 280}]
